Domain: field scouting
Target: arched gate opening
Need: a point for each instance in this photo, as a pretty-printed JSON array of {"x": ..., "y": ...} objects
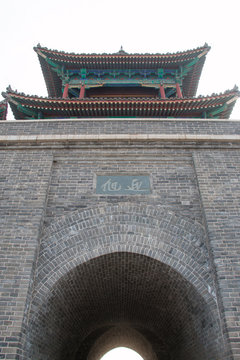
[{"x": 124, "y": 299}]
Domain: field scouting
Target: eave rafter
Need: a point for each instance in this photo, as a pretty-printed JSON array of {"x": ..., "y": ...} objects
[
  {"x": 56, "y": 64},
  {"x": 213, "y": 106},
  {"x": 16, "y": 103},
  {"x": 58, "y": 69}
]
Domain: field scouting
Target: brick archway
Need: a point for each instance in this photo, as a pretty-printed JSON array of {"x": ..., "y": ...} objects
[
  {"x": 89, "y": 257},
  {"x": 156, "y": 232}
]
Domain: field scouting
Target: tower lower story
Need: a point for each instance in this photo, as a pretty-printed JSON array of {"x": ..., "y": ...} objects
[{"x": 120, "y": 232}]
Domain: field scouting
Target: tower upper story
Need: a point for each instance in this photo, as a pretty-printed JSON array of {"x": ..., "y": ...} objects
[
  {"x": 121, "y": 85},
  {"x": 122, "y": 74}
]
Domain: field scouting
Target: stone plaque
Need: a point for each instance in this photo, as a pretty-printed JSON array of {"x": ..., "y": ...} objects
[{"x": 123, "y": 185}]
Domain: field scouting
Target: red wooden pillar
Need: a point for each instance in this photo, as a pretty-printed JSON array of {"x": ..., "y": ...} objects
[
  {"x": 179, "y": 92},
  {"x": 65, "y": 92},
  {"x": 162, "y": 92},
  {"x": 82, "y": 92}
]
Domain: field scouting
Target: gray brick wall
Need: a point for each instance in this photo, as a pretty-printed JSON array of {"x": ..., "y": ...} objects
[
  {"x": 125, "y": 126},
  {"x": 219, "y": 182},
  {"x": 172, "y": 178},
  {"x": 71, "y": 257},
  {"x": 23, "y": 185}
]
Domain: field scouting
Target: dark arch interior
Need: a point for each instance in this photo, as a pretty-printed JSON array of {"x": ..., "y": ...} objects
[
  {"x": 122, "y": 91},
  {"x": 124, "y": 289}
]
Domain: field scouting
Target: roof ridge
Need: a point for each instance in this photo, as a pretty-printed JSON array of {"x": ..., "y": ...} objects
[{"x": 198, "y": 49}]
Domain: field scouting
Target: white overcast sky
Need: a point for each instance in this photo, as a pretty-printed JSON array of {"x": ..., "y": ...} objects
[
  {"x": 121, "y": 353},
  {"x": 104, "y": 25}
]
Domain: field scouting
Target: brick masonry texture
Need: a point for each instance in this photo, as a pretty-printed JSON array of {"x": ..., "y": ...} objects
[
  {"x": 23, "y": 186},
  {"x": 74, "y": 174},
  {"x": 219, "y": 183},
  {"x": 126, "y": 126},
  {"x": 81, "y": 272}
]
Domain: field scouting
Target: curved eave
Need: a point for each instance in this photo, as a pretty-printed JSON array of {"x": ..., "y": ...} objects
[
  {"x": 52, "y": 81},
  {"x": 102, "y": 60},
  {"x": 66, "y": 108},
  {"x": 3, "y": 110},
  {"x": 191, "y": 81},
  {"x": 116, "y": 61}
]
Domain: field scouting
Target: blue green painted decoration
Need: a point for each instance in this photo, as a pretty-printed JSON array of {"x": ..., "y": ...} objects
[{"x": 123, "y": 185}]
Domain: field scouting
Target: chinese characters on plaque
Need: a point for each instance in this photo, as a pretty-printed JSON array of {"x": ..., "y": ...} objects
[{"x": 123, "y": 185}]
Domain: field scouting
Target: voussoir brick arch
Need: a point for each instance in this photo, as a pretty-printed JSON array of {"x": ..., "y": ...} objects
[
  {"x": 121, "y": 265},
  {"x": 158, "y": 233}
]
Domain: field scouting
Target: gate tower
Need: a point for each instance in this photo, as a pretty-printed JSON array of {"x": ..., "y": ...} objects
[{"x": 119, "y": 209}]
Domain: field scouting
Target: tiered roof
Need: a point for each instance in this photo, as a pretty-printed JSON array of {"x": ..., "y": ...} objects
[
  {"x": 214, "y": 106},
  {"x": 52, "y": 60},
  {"x": 145, "y": 85}
]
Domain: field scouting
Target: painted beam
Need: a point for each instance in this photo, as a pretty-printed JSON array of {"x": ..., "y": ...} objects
[
  {"x": 217, "y": 111},
  {"x": 52, "y": 63},
  {"x": 160, "y": 73},
  {"x": 186, "y": 68},
  {"x": 27, "y": 112},
  {"x": 83, "y": 73},
  {"x": 60, "y": 70}
]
